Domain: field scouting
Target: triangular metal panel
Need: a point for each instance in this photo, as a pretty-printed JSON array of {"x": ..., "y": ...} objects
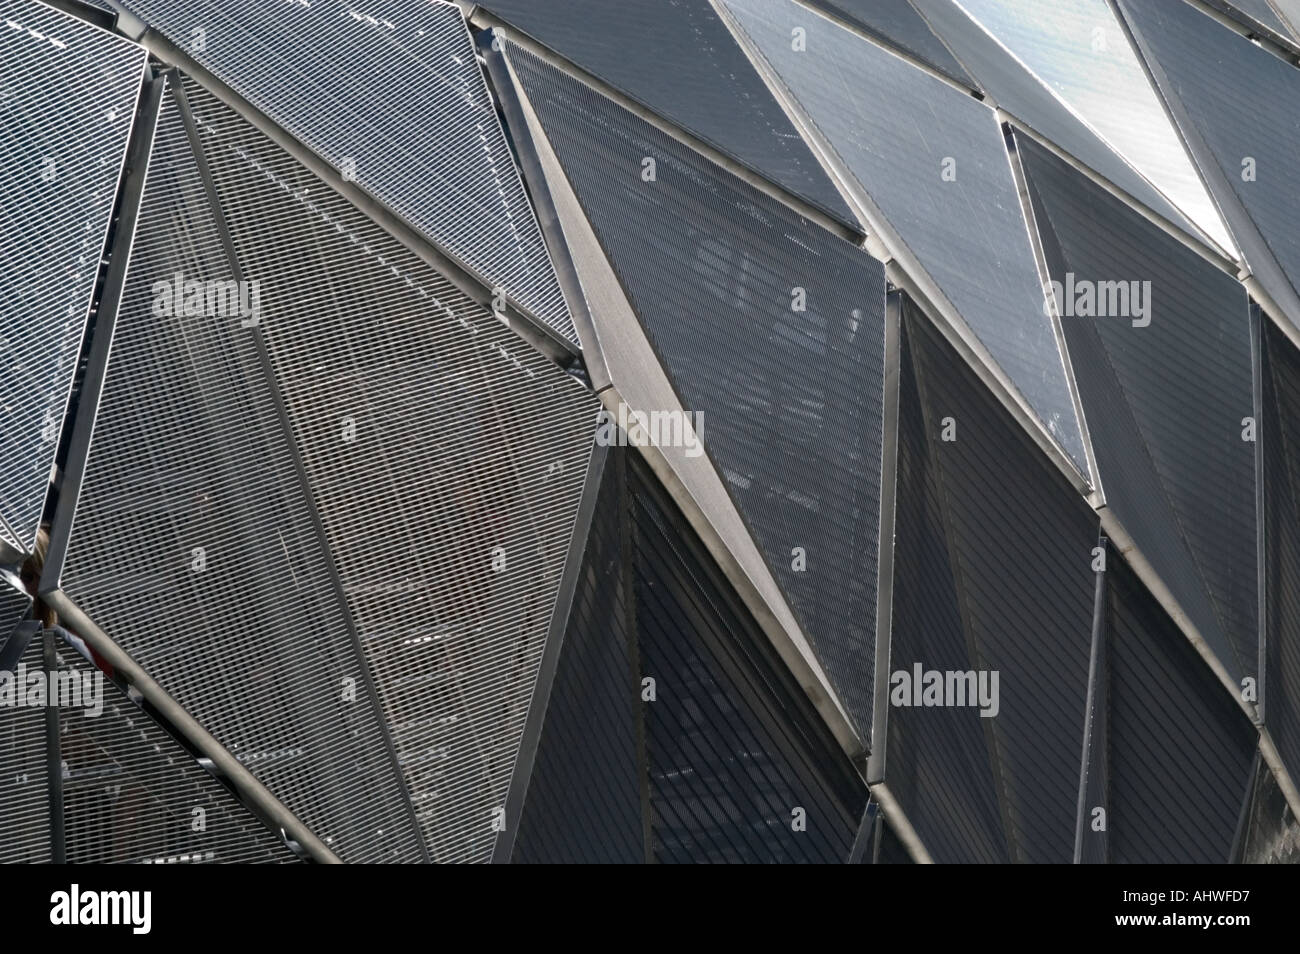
[
  {"x": 332, "y": 73},
  {"x": 680, "y": 61},
  {"x": 771, "y": 330},
  {"x": 1180, "y": 747},
  {"x": 69, "y": 102},
  {"x": 1172, "y": 459},
  {"x": 934, "y": 162}
]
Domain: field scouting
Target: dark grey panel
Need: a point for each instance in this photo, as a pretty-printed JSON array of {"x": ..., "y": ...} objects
[
  {"x": 1180, "y": 747},
  {"x": 1272, "y": 835},
  {"x": 584, "y": 798},
  {"x": 133, "y": 795},
  {"x": 897, "y": 22},
  {"x": 679, "y": 60},
  {"x": 1020, "y": 93},
  {"x": 1281, "y": 437},
  {"x": 393, "y": 94},
  {"x": 69, "y": 98},
  {"x": 350, "y": 466},
  {"x": 898, "y": 129},
  {"x": 24, "y": 774},
  {"x": 1240, "y": 102},
  {"x": 790, "y": 400},
  {"x": 735, "y": 747},
  {"x": 1164, "y": 400},
  {"x": 891, "y": 851},
  {"x": 937, "y": 759},
  {"x": 1018, "y": 544}
]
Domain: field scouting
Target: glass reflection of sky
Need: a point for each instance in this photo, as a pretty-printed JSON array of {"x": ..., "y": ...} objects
[{"x": 1078, "y": 50}]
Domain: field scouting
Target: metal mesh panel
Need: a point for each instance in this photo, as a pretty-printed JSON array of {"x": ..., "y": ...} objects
[
  {"x": 896, "y": 22},
  {"x": 772, "y": 330},
  {"x": 681, "y": 61},
  {"x": 69, "y": 97},
  {"x": 132, "y": 794},
  {"x": 24, "y": 776},
  {"x": 734, "y": 748},
  {"x": 984, "y": 517},
  {"x": 935, "y": 163},
  {"x": 391, "y": 93},
  {"x": 1281, "y": 438},
  {"x": 584, "y": 798},
  {"x": 1235, "y": 105},
  {"x": 1166, "y": 399},
  {"x": 1180, "y": 748},
  {"x": 427, "y": 437}
]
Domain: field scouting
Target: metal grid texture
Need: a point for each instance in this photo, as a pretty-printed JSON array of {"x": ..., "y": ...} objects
[
  {"x": 772, "y": 331},
  {"x": 934, "y": 162},
  {"x": 1020, "y": 92},
  {"x": 194, "y": 547},
  {"x": 1281, "y": 437},
  {"x": 431, "y": 442},
  {"x": 733, "y": 745},
  {"x": 679, "y": 60},
  {"x": 69, "y": 95},
  {"x": 391, "y": 94},
  {"x": 897, "y": 23},
  {"x": 1180, "y": 748},
  {"x": 584, "y": 797},
  {"x": 1240, "y": 102},
  {"x": 992, "y": 574},
  {"x": 1165, "y": 401},
  {"x": 24, "y": 776},
  {"x": 133, "y": 795}
]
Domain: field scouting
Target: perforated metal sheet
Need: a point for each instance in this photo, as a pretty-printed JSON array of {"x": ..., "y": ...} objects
[
  {"x": 770, "y": 329},
  {"x": 356, "y": 477},
  {"x": 133, "y": 795},
  {"x": 933, "y": 160},
  {"x": 390, "y": 92},
  {"x": 69, "y": 95}
]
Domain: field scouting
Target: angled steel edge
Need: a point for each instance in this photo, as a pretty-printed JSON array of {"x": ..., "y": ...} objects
[
  {"x": 136, "y": 169},
  {"x": 241, "y": 779},
  {"x": 528, "y": 137},
  {"x": 885, "y": 558},
  {"x": 483, "y": 19},
  {"x": 478, "y": 288},
  {"x": 526, "y": 756},
  {"x": 898, "y": 821},
  {"x": 1096, "y": 656},
  {"x": 1044, "y": 278}
]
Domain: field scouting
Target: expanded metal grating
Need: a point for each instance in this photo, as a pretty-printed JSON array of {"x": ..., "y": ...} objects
[
  {"x": 376, "y": 464},
  {"x": 133, "y": 795},
  {"x": 68, "y": 98},
  {"x": 390, "y": 93}
]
